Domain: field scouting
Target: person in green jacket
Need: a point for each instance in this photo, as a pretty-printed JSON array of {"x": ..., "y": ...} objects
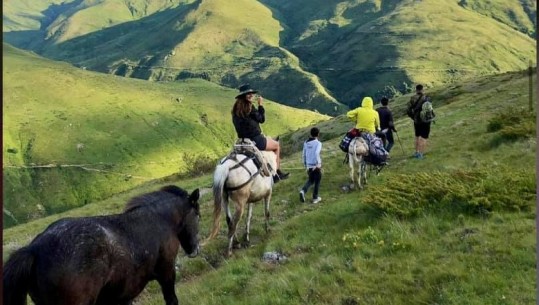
[{"x": 366, "y": 118}]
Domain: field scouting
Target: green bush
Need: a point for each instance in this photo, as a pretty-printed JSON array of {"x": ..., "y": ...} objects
[
  {"x": 471, "y": 192},
  {"x": 512, "y": 124},
  {"x": 198, "y": 165}
]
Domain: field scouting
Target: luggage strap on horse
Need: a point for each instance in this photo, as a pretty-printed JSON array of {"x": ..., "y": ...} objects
[
  {"x": 346, "y": 159},
  {"x": 242, "y": 164},
  {"x": 247, "y": 147}
]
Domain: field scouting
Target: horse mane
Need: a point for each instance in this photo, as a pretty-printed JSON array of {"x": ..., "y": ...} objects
[
  {"x": 174, "y": 190},
  {"x": 157, "y": 196}
]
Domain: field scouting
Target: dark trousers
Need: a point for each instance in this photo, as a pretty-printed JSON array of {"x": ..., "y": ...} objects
[
  {"x": 387, "y": 138},
  {"x": 390, "y": 140},
  {"x": 315, "y": 175}
]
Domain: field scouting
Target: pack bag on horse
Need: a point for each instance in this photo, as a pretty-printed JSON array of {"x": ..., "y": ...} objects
[
  {"x": 365, "y": 150},
  {"x": 107, "y": 259},
  {"x": 347, "y": 139},
  {"x": 377, "y": 153},
  {"x": 248, "y": 148},
  {"x": 239, "y": 178}
]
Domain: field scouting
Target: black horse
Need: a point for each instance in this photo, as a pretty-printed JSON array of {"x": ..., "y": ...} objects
[{"x": 107, "y": 259}]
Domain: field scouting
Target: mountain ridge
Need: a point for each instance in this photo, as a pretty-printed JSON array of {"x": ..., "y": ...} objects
[{"x": 353, "y": 48}]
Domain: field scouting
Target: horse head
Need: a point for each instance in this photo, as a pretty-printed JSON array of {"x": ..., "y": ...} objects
[
  {"x": 185, "y": 216},
  {"x": 188, "y": 233}
]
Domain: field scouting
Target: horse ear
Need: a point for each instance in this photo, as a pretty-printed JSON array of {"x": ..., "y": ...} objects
[{"x": 195, "y": 195}]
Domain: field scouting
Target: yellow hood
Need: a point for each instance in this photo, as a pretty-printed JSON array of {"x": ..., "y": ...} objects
[{"x": 367, "y": 102}]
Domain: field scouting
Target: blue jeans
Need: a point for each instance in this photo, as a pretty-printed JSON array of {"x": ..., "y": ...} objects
[{"x": 315, "y": 175}]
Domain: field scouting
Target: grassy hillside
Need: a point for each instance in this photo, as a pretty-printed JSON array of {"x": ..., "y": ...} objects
[
  {"x": 72, "y": 136},
  {"x": 520, "y": 15},
  {"x": 202, "y": 39},
  {"x": 455, "y": 228},
  {"x": 316, "y": 55},
  {"x": 381, "y": 48}
]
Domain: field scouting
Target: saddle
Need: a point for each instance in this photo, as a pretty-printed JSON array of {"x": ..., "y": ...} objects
[{"x": 247, "y": 147}]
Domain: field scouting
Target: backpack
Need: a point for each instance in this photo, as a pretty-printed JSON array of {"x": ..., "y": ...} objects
[
  {"x": 412, "y": 110},
  {"x": 426, "y": 115}
]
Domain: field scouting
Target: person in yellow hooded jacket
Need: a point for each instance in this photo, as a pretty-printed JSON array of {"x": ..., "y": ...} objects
[{"x": 366, "y": 118}]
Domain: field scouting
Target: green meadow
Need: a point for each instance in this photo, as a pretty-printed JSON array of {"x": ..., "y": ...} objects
[
  {"x": 455, "y": 228},
  {"x": 71, "y": 136}
]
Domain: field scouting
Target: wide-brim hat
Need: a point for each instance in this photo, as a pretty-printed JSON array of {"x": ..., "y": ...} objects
[{"x": 244, "y": 89}]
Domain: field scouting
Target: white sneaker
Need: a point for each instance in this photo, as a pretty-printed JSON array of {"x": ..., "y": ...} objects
[
  {"x": 317, "y": 200},
  {"x": 302, "y": 196}
]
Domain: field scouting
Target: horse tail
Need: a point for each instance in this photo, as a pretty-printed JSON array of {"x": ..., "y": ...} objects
[
  {"x": 219, "y": 179},
  {"x": 16, "y": 277}
]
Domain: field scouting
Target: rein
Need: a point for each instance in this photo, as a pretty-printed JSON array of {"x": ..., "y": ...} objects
[{"x": 241, "y": 164}]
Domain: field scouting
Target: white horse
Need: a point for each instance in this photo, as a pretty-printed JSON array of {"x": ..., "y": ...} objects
[
  {"x": 357, "y": 151},
  {"x": 238, "y": 178}
]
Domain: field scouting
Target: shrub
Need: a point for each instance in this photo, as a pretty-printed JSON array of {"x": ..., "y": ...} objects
[
  {"x": 198, "y": 165},
  {"x": 512, "y": 124},
  {"x": 471, "y": 192}
]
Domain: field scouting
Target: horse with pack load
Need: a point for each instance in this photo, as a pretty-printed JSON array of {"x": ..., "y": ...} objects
[{"x": 364, "y": 152}]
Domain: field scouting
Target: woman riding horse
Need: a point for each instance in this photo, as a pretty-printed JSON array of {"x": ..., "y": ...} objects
[{"x": 247, "y": 119}]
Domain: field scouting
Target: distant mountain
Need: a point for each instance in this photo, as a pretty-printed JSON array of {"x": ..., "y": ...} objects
[
  {"x": 72, "y": 136},
  {"x": 314, "y": 54}
]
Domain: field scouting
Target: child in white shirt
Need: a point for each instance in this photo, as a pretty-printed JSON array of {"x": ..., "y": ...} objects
[{"x": 313, "y": 163}]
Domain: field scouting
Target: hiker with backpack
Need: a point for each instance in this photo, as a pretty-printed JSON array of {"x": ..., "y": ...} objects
[
  {"x": 386, "y": 123},
  {"x": 421, "y": 112}
]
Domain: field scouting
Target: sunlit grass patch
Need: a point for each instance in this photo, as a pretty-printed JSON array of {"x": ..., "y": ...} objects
[{"x": 473, "y": 192}]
